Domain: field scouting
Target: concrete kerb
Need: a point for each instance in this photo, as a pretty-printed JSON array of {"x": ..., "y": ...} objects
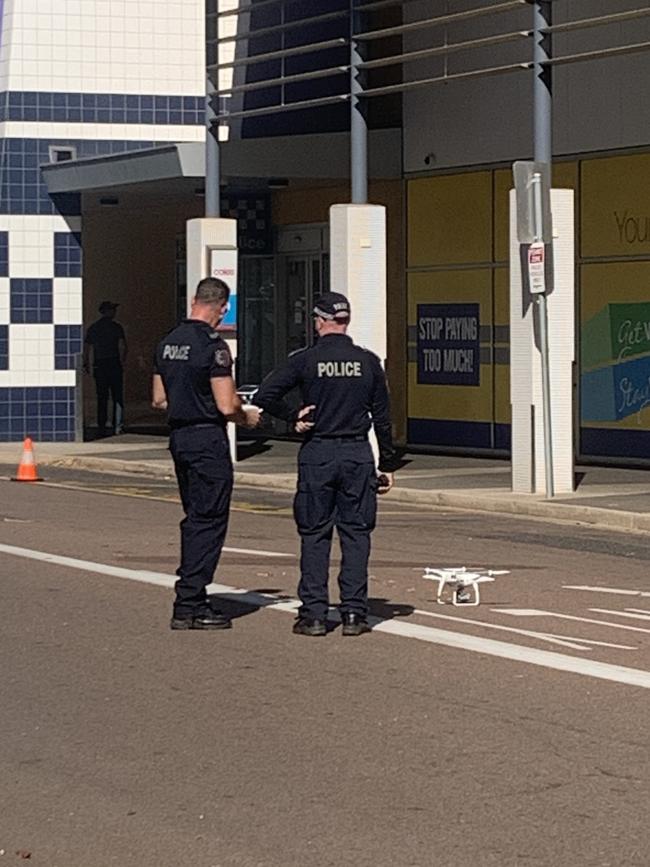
[{"x": 520, "y": 505}]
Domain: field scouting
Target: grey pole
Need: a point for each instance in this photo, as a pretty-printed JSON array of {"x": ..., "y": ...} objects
[
  {"x": 543, "y": 89},
  {"x": 543, "y": 138},
  {"x": 212, "y": 166},
  {"x": 358, "y": 124}
]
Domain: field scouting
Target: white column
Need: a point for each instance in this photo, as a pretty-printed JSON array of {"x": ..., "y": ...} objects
[
  {"x": 212, "y": 252},
  {"x": 358, "y": 270}
]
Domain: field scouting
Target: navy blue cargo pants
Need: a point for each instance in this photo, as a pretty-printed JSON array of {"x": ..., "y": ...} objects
[
  {"x": 337, "y": 487},
  {"x": 204, "y": 471}
]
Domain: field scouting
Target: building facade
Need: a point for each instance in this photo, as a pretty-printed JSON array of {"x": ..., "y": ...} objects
[{"x": 108, "y": 96}]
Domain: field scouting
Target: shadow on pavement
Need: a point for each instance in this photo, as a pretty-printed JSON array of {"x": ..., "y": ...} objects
[
  {"x": 249, "y": 602},
  {"x": 386, "y": 610}
]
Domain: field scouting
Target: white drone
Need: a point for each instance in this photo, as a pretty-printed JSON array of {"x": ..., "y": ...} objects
[{"x": 460, "y": 580}]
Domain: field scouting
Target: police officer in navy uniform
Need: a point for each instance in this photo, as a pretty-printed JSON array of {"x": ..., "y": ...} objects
[
  {"x": 193, "y": 382},
  {"x": 344, "y": 391}
]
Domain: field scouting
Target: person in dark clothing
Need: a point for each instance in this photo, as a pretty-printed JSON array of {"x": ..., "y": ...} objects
[
  {"x": 344, "y": 392},
  {"x": 193, "y": 381},
  {"x": 107, "y": 341}
]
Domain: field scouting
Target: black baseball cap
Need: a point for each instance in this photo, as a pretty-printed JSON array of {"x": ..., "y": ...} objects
[
  {"x": 332, "y": 305},
  {"x": 105, "y": 306}
]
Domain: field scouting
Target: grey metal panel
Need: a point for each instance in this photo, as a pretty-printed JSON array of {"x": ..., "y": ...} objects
[
  {"x": 119, "y": 170},
  {"x": 310, "y": 156}
]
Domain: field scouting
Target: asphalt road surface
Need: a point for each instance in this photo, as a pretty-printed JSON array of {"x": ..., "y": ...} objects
[{"x": 512, "y": 733}]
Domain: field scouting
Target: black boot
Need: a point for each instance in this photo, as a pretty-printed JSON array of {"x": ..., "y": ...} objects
[
  {"x": 204, "y": 618},
  {"x": 309, "y": 626},
  {"x": 354, "y": 624}
]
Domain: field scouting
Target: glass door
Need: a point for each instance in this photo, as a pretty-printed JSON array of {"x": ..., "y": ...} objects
[
  {"x": 256, "y": 300},
  {"x": 306, "y": 278}
]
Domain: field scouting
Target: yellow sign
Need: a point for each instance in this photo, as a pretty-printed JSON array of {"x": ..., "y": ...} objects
[
  {"x": 450, "y": 219},
  {"x": 615, "y": 206}
]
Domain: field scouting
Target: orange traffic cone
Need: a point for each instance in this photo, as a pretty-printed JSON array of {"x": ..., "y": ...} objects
[{"x": 26, "y": 471}]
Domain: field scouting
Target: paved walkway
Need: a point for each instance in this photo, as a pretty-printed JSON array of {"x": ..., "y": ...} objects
[{"x": 611, "y": 497}]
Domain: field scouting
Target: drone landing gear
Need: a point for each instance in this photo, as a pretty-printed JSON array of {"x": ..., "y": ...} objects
[{"x": 461, "y": 594}]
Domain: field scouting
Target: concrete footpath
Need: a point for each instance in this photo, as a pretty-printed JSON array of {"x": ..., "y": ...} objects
[{"x": 604, "y": 496}]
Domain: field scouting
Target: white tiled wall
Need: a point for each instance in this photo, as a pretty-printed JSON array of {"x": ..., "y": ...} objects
[
  {"x": 31, "y": 253},
  {"x": 4, "y": 300},
  {"x": 67, "y": 302},
  {"x": 104, "y": 46}
]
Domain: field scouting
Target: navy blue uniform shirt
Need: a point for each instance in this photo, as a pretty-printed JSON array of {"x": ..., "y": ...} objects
[
  {"x": 187, "y": 359},
  {"x": 345, "y": 383}
]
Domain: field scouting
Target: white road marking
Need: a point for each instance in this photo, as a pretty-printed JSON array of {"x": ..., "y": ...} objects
[
  {"x": 564, "y": 640},
  {"x": 456, "y": 640},
  {"x": 71, "y": 561},
  {"x": 626, "y": 613},
  {"x": 255, "y": 552},
  {"x": 616, "y": 590},
  {"x": 533, "y": 612}
]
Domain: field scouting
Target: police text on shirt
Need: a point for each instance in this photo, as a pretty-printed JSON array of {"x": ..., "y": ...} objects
[{"x": 331, "y": 369}]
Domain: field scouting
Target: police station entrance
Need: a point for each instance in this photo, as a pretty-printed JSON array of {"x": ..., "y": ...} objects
[
  {"x": 276, "y": 298},
  {"x": 303, "y": 275}
]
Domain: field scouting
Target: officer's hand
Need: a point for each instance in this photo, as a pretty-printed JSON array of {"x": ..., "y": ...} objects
[
  {"x": 304, "y": 426},
  {"x": 252, "y": 415},
  {"x": 386, "y": 482}
]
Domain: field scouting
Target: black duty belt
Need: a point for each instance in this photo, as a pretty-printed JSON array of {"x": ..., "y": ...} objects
[
  {"x": 178, "y": 425},
  {"x": 350, "y": 438}
]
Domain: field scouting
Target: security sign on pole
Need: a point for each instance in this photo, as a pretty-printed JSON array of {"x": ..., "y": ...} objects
[{"x": 537, "y": 267}]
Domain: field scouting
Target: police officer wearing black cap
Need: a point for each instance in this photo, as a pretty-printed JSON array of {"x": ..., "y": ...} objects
[
  {"x": 344, "y": 391},
  {"x": 193, "y": 382}
]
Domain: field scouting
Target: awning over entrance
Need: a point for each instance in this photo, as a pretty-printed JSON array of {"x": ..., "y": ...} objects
[
  {"x": 186, "y": 160},
  {"x": 251, "y": 162}
]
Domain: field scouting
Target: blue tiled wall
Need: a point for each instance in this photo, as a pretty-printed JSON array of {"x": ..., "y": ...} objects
[
  {"x": 22, "y": 187},
  {"x": 67, "y": 345},
  {"x": 101, "y": 108},
  {"x": 4, "y": 254},
  {"x": 67, "y": 254},
  {"x": 43, "y": 413},
  {"x": 31, "y": 300},
  {"x": 4, "y": 347},
  {"x": 327, "y": 118}
]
